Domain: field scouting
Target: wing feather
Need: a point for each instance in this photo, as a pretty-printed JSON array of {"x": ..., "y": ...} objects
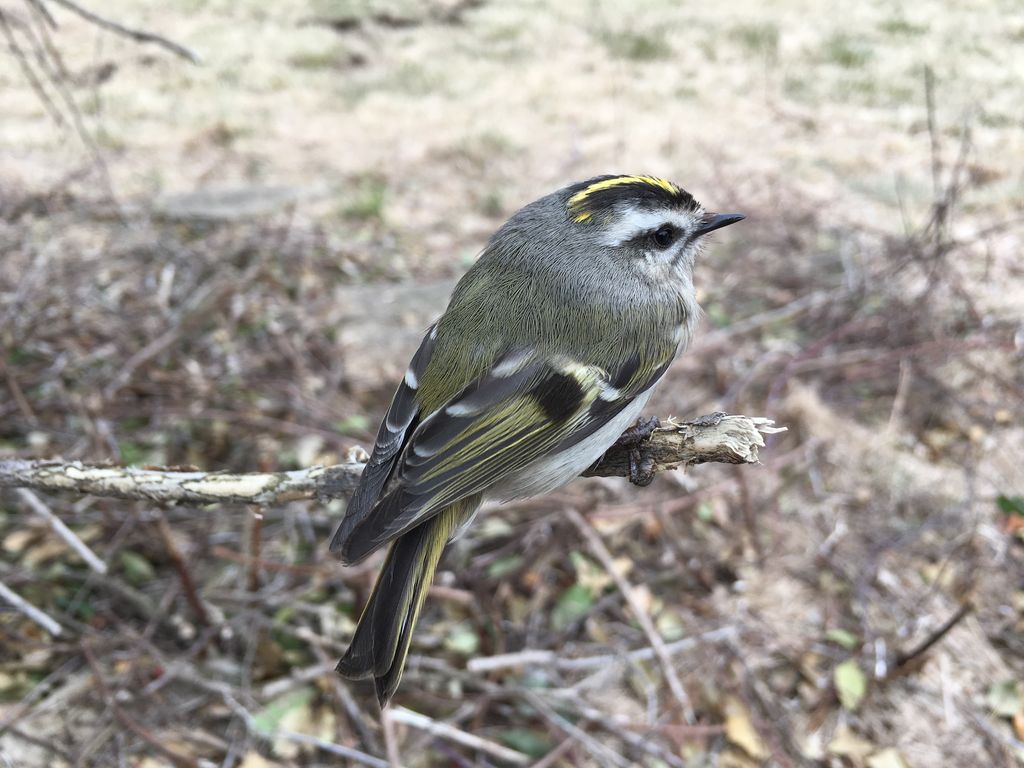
[
  {"x": 395, "y": 429},
  {"x": 524, "y": 408}
]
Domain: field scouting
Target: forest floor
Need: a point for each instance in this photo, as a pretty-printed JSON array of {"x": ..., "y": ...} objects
[{"x": 228, "y": 265}]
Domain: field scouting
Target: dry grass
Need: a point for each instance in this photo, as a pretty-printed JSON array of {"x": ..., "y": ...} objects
[{"x": 353, "y": 157}]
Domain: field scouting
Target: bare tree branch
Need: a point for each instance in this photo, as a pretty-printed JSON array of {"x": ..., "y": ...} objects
[
  {"x": 138, "y": 35},
  {"x": 715, "y": 438}
]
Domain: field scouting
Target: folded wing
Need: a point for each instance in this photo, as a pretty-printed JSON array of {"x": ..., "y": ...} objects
[{"x": 526, "y": 406}]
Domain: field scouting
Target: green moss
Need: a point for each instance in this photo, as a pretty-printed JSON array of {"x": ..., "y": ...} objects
[
  {"x": 846, "y": 51},
  {"x": 758, "y": 38},
  {"x": 316, "y": 60},
  {"x": 636, "y": 46},
  {"x": 367, "y": 200},
  {"x": 796, "y": 87},
  {"x": 900, "y": 27}
]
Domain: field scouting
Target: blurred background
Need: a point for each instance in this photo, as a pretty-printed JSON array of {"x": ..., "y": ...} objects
[{"x": 227, "y": 264}]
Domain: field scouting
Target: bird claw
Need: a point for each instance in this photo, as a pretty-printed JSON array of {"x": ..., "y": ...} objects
[
  {"x": 641, "y": 468},
  {"x": 639, "y": 432}
]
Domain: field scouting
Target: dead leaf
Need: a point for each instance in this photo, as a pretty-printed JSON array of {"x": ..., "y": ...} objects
[
  {"x": 810, "y": 745},
  {"x": 8, "y": 680},
  {"x": 735, "y": 758},
  {"x": 887, "y": 758},
  {"x": 842, "y": 637},
  {"x": 462, "y": 639},
  {"x": 644, "y": 597},
  {"x": 609, "y": 526},
  {"x": 39, "y": 658},
  {"x": 653, "y": 527},
  {"x": 598, "y": 631},
  {"x": 1005, "y": 698},
  {"x": 848, "y": 744},
  {"x": 851, "y": 684},
  {"x": 271, "y": 717},
  {"x": 589, "y": 574},
  {"x": 740, "y": 730},
  {"x": 17, "y": 540},
  {"x": 669, "y": 625},
  {"x": 47, "y": 550},
  {"x": 89, "y": 533}
]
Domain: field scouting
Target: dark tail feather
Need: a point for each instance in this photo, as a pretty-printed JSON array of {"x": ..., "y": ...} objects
[{"x": 381, "y": 642}]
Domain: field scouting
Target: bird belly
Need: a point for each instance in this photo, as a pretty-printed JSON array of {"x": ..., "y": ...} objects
[{"x": 551, "y": 471}]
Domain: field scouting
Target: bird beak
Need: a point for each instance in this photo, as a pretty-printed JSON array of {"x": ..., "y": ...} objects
[{"x": 713, "y": 221}]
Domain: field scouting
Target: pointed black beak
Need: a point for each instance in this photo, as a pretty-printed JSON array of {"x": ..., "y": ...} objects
[{"x": 713, "y": 221}]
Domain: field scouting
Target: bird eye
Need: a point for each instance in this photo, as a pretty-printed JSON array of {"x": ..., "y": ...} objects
[{"x": 664, "y": 236}]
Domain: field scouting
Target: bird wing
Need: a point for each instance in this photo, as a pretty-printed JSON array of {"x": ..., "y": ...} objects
[
  {"x": 524, "y": 407},
  {"x": 398, "y": 425}
]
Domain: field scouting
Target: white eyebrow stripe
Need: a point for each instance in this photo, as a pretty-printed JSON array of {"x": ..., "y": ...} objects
[{"x": 635, "y": 221}]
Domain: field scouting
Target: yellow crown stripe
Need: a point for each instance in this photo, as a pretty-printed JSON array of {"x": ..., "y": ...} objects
[{"x": 578, "y": 200}]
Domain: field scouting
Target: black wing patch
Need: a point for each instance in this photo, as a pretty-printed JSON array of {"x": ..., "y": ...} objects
[
  {"x": 524, "y": 408},
  {"x": 559, "y": 396},
  {"x": 498, "y": 425}
]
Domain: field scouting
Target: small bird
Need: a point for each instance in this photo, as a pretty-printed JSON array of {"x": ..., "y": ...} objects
[{"x": 549, "y": 349}]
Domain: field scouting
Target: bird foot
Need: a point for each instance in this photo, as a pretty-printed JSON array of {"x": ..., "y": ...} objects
[{"x": 641, "y": 468}]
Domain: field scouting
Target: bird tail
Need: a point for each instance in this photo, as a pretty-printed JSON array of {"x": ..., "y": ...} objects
[{"x": 381, "y": 641}]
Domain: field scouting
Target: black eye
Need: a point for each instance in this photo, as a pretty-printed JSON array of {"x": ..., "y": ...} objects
[{"x": 664, "y": 236}]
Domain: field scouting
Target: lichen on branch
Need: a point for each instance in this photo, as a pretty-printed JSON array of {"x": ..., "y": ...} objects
[{"x": 715, "y": 438}]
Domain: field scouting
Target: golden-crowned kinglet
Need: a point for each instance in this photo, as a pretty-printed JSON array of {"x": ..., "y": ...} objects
[{"x": 549, "y": 349}]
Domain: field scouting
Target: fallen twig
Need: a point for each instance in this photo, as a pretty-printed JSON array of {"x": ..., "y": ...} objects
[
  {"x": 65, "y": 533},
  {"x": 908, "y": 661},
  {"x": 605, "y": 754},
  {"x": 331, "y": 748},
  {"x": 536, "y": 657},
  {"x": 129, "y": 723},
  {"x": 552, "y": 757},
  {"x": 657, "y": 642},
  {"x": 451, "y": 733},
  {"x": 181, "y": 566},
  {"x": 28, "y": 610},
  {"x": 636, "y": 735},
  {"x": 255, "y": 537}
]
